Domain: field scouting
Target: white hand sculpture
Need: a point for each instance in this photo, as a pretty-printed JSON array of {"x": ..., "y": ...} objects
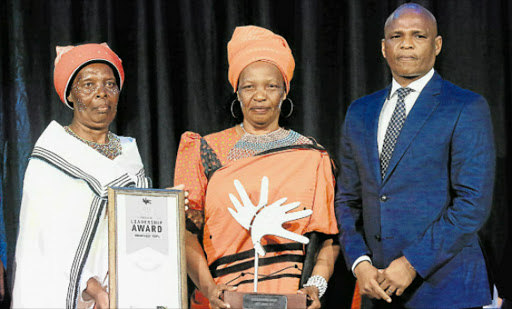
[
  {"x": 270, "y": 219},
  {"x": 244, "y": 214}
]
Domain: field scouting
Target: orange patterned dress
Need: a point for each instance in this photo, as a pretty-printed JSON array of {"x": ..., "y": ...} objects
[{"x": 296, "y": 169}]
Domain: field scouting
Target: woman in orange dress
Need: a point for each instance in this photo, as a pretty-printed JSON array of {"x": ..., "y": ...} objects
[{"x": 256, "y": 189}]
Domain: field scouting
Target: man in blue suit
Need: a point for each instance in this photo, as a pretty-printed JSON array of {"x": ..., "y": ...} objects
[{"x": 416, "y": 180}]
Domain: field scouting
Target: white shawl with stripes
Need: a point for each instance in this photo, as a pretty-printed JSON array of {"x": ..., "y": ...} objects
[{"x": 63, "y": 231}]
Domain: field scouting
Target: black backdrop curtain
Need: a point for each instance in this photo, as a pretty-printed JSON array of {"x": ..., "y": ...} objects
[{"x": 174, "y": 55}]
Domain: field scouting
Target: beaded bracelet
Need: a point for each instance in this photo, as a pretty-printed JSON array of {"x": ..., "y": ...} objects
[{"x": 319, "y": 282}]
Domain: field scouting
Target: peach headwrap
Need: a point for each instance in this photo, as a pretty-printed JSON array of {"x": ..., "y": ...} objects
[
  {"x": 70, "y": 59},
  {"x": 250, "y": 44}
]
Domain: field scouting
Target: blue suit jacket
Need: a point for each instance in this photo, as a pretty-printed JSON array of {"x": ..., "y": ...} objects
[{"x": 435, "y": 197}]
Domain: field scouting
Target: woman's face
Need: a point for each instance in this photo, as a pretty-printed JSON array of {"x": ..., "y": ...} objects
[
  {"x": 261, "y": 91},
  {"x": 94, "y": 95}
]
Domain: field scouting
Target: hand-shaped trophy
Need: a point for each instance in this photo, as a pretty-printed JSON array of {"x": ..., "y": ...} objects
[{"x": 266, "y": 220}]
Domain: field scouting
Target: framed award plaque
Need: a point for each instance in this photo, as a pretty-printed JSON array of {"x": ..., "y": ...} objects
[{"x": 147, "y": 265}]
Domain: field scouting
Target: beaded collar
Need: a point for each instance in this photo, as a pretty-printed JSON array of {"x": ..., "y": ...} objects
[
  {"x": 250, "y": 144},
  {"x": 275, "y": 135},
  {"x": 111, "y": 149}
]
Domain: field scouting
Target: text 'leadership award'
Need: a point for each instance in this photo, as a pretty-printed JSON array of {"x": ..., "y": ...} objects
[{"x": 147, "y": 266}]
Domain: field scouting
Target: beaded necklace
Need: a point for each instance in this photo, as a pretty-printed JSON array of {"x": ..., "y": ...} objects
[
  {"x": 250, "y": 144},
  {"x": 111, "y": 149},
  {"x": 273, "y": 136}
]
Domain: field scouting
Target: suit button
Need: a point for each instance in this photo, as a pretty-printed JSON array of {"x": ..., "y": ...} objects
[
  {"x": 377, "y": 237},
  {"x": 383, "y": 198}
]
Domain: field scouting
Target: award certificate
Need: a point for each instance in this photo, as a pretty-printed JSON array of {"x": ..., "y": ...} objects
[{"x": 147, "y": 265}]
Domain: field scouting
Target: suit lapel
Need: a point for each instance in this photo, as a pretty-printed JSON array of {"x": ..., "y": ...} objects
[
  {"x": 372, "y": 125},
  {"x": 421, "y": 111}
]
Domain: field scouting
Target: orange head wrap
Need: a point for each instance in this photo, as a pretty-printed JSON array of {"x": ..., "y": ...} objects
[
  {"x": 70, "y": 59},
  {"x": 250, "y": 44}
]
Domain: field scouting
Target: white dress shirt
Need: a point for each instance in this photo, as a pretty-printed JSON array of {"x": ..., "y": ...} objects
[
  {"x": 390, "y": 104},
  {"x": 385, "y": 117}
]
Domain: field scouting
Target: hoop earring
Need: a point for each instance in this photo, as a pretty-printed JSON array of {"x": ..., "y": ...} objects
[
  {"x": 291, "y": 107},
  {"x": 232, "y": 111}
]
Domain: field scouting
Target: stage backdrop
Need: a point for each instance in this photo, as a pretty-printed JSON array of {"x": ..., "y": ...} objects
[{"x": 174, "y": 55}]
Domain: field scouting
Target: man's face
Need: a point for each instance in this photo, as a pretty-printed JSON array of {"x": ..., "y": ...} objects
[{"x": 410, "y": 45}]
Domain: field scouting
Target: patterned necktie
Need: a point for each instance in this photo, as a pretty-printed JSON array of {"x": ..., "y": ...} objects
[{"x": 393, "y": 131}]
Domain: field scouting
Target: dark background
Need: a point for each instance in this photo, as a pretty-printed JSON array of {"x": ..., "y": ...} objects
[{"x": 174, "y": 55}]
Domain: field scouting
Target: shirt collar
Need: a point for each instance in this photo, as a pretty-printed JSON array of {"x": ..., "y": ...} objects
[{"x": 416, "y": 85}]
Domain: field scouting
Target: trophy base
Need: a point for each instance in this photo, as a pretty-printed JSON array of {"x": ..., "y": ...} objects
[{"x": 239, "y": 300}]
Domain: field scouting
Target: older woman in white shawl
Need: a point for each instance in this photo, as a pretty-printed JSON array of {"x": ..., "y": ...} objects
[{"x": 61, "y": 254}]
